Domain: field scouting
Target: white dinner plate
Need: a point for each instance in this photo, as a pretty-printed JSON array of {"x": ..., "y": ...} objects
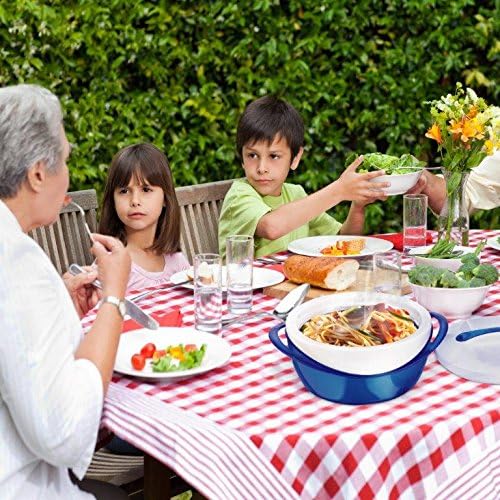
[
  {"x": 475, "y": 359},
  {"x": 493, "y": 243},
  {"x": 262, "y": 277},
  {"x": 313, "y": 245},
  {"x": 217, "y": 354}
]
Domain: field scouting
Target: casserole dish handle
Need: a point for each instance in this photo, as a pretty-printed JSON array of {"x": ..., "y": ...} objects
[
  {"x": 296, "y": 356},
  {"x": 443, "y": 330}
]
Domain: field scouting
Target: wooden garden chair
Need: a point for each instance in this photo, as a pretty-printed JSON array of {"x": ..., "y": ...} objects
[
  {"x": 200, "y": 209},
  {"x": 66, "y": 241}
]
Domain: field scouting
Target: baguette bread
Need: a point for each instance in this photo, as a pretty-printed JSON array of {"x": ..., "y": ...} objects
[{"x": 324, "y": 272}]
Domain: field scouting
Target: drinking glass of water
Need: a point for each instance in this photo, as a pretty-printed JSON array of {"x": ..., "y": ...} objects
[
  {"x": 414, "y": 221},
  {"x": 387, "y": 272},
  {"x": 239, "y": 266},
  {"x": 208, "y": 292}
]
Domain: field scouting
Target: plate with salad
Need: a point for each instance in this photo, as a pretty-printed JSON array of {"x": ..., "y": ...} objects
[
  {"x": 170, "y": 353},
  {"x": 401, "y": 172}
]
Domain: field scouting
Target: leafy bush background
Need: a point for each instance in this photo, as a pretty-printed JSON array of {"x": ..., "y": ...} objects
[{"x": 179, "y": 74}]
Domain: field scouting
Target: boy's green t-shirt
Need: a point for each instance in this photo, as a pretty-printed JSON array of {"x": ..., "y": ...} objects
[{"x": 243, "y": 207}]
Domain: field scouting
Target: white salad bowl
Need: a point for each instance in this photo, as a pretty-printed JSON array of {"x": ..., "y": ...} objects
[
  {"x": 367, "y": 360},
  {"x": 451, "y": 264},
  {"x": 400, "y": 183},
  {"x": 453, "y": 303}
]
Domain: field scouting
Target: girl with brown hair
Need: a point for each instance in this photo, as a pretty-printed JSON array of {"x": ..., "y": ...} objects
[{"x": 140, "y": 208}]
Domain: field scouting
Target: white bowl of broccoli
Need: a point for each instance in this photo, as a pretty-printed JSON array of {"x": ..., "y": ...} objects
[{"x": 456, "y": 295}]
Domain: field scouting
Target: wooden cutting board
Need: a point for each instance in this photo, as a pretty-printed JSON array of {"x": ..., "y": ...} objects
[{"x": 363, "y": 282}]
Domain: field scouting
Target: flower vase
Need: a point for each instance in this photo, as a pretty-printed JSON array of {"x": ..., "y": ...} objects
[{"x": 453, "y": 220}]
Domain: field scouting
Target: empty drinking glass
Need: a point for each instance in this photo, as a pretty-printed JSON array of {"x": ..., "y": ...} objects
[
  {"x": 414, "y": 221},
  {"x": 208, "y": 292},
  {"x": 239, "y": 266},
  {"x": 387, "y": 272}
]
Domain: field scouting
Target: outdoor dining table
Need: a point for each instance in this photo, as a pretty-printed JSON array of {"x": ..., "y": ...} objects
[{"x": 250, "y": 430}]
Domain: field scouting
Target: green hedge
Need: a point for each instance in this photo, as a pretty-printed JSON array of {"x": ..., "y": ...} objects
[{"x": 180, "y": 73}]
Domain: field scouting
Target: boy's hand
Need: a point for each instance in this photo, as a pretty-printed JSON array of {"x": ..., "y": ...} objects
[{"x": 358, "y": 187}]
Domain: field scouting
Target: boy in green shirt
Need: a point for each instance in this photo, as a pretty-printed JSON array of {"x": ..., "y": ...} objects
[{"x": 270, "y": 140}]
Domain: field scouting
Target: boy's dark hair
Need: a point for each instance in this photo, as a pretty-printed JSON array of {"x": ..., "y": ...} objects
[
  {"x": 145, "y": 162},
  {"x": 266, "y": 118}
]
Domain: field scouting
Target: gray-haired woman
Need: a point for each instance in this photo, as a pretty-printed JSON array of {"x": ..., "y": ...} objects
[{"x": 52, "y": 378}]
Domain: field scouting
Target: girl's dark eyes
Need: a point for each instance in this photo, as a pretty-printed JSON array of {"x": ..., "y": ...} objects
[
  {"x": 122, "y": 191},
  {"x": 146, "y": 189},
  {"x": 275, "y": 157}
]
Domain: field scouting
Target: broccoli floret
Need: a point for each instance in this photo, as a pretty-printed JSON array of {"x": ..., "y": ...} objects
[
  {"x": 475, "y": 282},
  {"x": 470, "y": 258},
  {"x": 448, "y": 279},
  {"x": 487, "y": 272},
  {"x": 462, "y": 283},
  {"x": 465, "y": 270},
  {"x": 425, "y": 276}
]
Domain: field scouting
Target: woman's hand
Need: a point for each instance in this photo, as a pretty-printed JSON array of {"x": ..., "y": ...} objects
[
  {"x": 113, "y": 263},
  {"x": 83, "y": 294},
  {"x": 358, "y": 187}
]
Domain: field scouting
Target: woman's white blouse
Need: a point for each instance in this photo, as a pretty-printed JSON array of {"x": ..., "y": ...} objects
[
  {"x": 50, "y": 403},
  {"x": 482, "y": 190}
]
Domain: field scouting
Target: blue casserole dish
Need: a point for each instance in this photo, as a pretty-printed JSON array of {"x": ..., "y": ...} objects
[{"x": 353, "y": 389}]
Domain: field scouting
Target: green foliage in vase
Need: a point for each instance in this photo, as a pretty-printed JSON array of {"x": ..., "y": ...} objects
[{"x": 179, "y": 74}]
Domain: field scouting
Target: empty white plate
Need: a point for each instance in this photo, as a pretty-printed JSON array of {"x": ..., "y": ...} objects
[
  {"x": 494, "y": 242},
  {"x": 262, "y": 277}
]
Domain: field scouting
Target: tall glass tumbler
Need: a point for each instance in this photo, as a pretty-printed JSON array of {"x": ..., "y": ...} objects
[
  {"x": 239, "y": 266},
  {"x": 387, "y": 272},
  {"x": 208, "y": 292},
  {"x": 414, "y": 221}
]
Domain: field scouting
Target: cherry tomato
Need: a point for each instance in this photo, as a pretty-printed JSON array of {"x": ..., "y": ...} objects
[
  {"x": 190, "y": 347},
  {"x": 138, "y": 361},
  {"x": 148, "y": 350}
]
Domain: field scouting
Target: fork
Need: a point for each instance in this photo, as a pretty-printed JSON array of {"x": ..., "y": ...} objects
[
  {"x": 140, "y": 296},
  {"x": 82, "y": 212}
]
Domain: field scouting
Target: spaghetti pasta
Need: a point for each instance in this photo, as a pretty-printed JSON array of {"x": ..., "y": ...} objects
[{"x": 383, "y": 325}]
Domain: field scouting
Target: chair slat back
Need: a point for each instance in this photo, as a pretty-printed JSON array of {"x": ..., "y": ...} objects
[
  {"x": 200, "y": 209},
  {"x": 66, "y": 241}
]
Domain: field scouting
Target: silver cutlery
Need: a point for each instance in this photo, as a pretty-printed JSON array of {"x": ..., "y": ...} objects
[
  {"x": 82, "y": 212},
  {"x": 281, "y": 311},
  {"x": 133, "y": 310},
  {"x": 169, "y": 286},
  {"x": 270, "y": 260}
]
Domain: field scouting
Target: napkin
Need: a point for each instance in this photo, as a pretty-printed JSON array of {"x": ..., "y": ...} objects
[
  {"x": 171, "y": 318},
  {"x": 397, "y": 239}
]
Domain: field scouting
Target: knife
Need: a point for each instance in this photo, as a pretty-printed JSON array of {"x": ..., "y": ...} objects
[{"x": 133, "y": 310}]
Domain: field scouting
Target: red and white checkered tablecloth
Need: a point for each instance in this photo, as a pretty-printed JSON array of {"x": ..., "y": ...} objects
[{"x": 251, "y": 430}]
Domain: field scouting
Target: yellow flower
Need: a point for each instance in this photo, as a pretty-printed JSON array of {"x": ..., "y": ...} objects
[
  {"x": 472, "y": 112},
  {"x": 434, "y": 133},
  {"x": 491, "y": 145}
]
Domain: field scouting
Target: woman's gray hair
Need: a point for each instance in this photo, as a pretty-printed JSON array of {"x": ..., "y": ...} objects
[{"x": 30, "y": 131}]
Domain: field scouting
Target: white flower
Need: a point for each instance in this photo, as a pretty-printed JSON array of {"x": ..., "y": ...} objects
[{"x": 472, "y": 95}]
